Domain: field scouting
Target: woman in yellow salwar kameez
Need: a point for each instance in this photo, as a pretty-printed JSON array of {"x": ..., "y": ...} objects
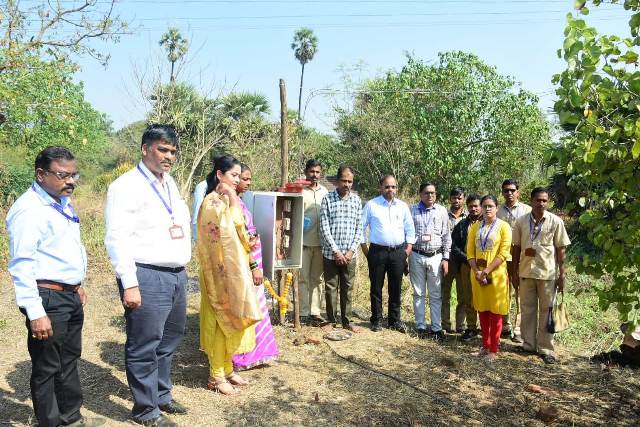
[{"x": 229, "y": 306}]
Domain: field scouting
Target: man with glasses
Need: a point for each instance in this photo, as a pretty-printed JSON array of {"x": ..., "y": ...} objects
[
  {"x": 392, "y": 235},
  {"x": 510, "y": 211},
  {"x": 429, "y": 259},
  {"x": 47, "y": 265},
  {"x": 148, "y": 241}
]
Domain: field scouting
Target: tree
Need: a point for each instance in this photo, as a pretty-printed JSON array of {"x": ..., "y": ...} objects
[
  {"x": 456, "y": 121},
  {"x": 56, "y": 29},
  {"x": 599, "y": 107},
  {"x": 176, "y": 46},
  {"x": 305, "y": 46}
]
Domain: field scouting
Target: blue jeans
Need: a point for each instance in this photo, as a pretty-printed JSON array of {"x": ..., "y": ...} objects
[
  {"x": 154, "y": 332},
  {"x": 426, "y": 275}
]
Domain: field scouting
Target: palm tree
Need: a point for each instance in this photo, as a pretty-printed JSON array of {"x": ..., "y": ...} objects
[
  {"x": 245, "y": 104},
  {"x": 176, "y": 45},
  {"x": 305, "y": 46}
]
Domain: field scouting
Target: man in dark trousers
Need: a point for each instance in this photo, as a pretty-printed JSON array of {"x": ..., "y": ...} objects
[
  {"x": 149, "y": 242},
  {"x": 48, "y": 263},
  {"x": 392, "y": 235}
]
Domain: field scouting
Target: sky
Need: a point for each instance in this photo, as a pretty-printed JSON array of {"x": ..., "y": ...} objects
[{"x": 244, "y": 45}]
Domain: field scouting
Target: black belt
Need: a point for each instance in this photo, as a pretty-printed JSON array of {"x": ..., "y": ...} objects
[
  {"x": 428, "y": 253},
  {"x": 388, "y": 248},
  {"x": 159, "y": 268}
]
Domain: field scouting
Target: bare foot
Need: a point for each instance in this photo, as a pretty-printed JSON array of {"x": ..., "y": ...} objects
[
  {"x": 490, "y": 357},
  {"x": 483, "y": 352},
  {"x": 236, "y": 379},
  {"x": 222, "y": 386},
  {"x": 353, "y": 328}
]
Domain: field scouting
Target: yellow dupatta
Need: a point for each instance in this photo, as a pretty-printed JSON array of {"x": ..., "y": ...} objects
[{"x": 223, "y": 250}]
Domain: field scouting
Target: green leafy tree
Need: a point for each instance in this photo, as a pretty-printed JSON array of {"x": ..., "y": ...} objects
[
  {"x": 599, "y": 107},
  {"x": 56, "y": 29},
  {"x": 176, "y": 46},
  {"x": 455, "y": 121},
  {"x": 305, "y": 46}
]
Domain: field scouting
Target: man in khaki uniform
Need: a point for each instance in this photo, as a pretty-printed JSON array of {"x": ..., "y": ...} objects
[
  {"x": 510, "y": 211},
  {"x": 312, "y": 260},
  {"x": 539, "y": 241}
]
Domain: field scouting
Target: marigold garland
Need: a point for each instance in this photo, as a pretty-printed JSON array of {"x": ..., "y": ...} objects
[{"x": 283, "y": 302}]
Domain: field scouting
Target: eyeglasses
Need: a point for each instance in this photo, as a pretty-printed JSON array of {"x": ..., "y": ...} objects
[
  {"x": 63, "y": 176},
  {"x": 387, "y": 187},
  {"x": 509, "y": 190},
  {"x": 429, "y": 193}
]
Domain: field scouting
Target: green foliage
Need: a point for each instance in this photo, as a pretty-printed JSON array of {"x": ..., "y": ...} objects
[
  {"x": 456, "y": 121},
  {"x": 15, "y": 174},
  {"x": 304, "y": 45},
  {"x": 176, "y": 46},
  {"x": 43, "y": 106},
  {"x": 102, "y": 181},
  {"x": 599, "y": 107}
]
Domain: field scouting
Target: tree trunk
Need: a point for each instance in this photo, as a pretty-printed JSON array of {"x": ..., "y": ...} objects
[
  {"x": 300, "y": 95},
  {"x": 173, "y": 79}
]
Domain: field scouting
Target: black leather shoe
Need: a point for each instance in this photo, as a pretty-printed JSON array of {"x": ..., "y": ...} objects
[
  {"x": 160, "y": 421},
  {"x": 398, "y": 326},
  {"x": 438, "y": 336},
  {"x": 88, "y": 422},
  {"x": 173, "y": 407},
  {"x": 375, "y": 327}
]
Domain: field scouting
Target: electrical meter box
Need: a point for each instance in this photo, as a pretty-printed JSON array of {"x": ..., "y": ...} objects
[{"x": 279, "y": 220}]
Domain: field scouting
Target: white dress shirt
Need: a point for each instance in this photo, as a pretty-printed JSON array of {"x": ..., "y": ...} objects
[
  {"x": 43, "y": 244},
  {"x": 198, "y": 196},
  {"x": 138, "y": 224},
  {"x": 390, "y": 224}
]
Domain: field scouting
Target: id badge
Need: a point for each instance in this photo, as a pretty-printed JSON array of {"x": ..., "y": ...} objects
[
  {"x": 530, "y": 252},
  {"x": 426, "y": 237},
  {"x": 176, "y": 232}
]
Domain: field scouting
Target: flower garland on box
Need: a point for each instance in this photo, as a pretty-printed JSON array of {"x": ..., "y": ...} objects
[{"x": 283, "y": 301}]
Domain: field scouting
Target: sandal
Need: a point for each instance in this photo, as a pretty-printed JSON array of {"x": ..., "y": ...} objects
[
  {"x": 222, "y": 386},
  {"x": 481, "y": 353},
  {"x": 236, "y": 379}
]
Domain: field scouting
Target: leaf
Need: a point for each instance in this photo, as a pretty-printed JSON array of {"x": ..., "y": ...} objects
[{"x": 635, "y": 150}]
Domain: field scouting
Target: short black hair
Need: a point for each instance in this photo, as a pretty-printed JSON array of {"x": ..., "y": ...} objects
[
  {"x": 472, "y": 198},
  {"x": 425, "y": 185},
  {"x": 457, "y": 191},
  {"x": 244, "y": 167},
  {"x": 342, "y": 169},
  {"x": 160, "y": 132},
  {"x": 383, "y": 177},
  {"x": 510, "y": 181},
  {"x": 489, "y": 197},
  {"x": 49, "y": 154},
  {"x": 311, "y": 163},
  {"x": 537, "y": 191}
]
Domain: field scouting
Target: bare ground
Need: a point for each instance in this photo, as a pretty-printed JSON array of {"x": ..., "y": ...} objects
[{"x": 384, "y": 378}]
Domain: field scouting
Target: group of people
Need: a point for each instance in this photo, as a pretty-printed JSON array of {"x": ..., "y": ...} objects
[
  {"x": 489, "y": 250},
  {"x": 486, "y": 249},
  {"x": 148, "y": 240}
]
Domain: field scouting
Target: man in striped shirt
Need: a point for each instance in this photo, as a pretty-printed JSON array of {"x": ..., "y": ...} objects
[{"x": 340, "y": 219}]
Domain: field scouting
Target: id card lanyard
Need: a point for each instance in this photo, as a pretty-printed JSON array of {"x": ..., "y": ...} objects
[
  {"x": 175, "y": 231},
  {"x": 485, "y": 239},
  {"x": 429, "y": 218},
  {"x": 58, "y": 207},
  {"x": 533, "y": 236}
]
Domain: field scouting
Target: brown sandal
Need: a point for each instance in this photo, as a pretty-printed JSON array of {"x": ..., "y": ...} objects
[{"x": 215, "y": 385}]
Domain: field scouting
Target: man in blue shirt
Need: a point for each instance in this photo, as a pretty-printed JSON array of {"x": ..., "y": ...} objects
[
  {"x": 392, "y": 235},
  {"x": 48, "y": 263}
]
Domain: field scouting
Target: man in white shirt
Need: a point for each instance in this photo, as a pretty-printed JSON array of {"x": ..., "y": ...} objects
[
  {"x": 149, "y": 243},
  {"x": 48, "y": 263}
]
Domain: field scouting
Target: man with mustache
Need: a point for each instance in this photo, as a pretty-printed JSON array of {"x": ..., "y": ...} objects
[
  {"x": 48, "y": 263},
  {"x": 148, "y": 241},
  {"x": 312, "y": 259},
  {"x": 510, "y": 211}
]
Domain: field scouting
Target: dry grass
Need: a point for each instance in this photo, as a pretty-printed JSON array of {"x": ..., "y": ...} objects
[{"x": 340, "y": 383}]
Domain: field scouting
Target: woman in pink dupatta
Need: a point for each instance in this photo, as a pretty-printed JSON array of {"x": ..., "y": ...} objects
[{"x": 266, "y": 348}]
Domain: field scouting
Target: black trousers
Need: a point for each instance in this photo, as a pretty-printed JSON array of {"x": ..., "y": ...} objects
[
  {"x": 338, "y": 278},
  {"x": 383, "y": 261},
  {"x": 55, "y": 384}
]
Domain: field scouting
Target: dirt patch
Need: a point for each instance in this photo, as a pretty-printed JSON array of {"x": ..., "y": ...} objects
[{"x": 384, "y": 378}]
